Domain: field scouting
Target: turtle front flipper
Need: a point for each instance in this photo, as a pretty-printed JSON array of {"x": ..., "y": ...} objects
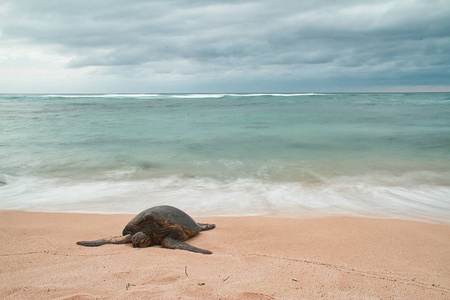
[
  {"x": 172, "y": 243},
  {"x": 207, "y": 226},
  {"x": 109, "y": 240}
]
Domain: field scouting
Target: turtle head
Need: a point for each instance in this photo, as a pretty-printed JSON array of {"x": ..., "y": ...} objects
[{"x": 140, "y": 240}]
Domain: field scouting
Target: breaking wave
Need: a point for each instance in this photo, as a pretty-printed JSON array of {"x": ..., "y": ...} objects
[
  {"x": 177, "y": 96},
  {"x": 238, "y": 197}
]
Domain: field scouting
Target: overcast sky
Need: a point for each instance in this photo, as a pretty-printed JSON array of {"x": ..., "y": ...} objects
[{"x": 108, "y": 46}]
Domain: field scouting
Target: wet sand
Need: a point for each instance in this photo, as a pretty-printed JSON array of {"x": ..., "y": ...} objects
[{"x": 253, "y": 258}]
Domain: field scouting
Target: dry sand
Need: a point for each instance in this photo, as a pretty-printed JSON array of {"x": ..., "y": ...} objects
[{"x": 254, "y": 258}]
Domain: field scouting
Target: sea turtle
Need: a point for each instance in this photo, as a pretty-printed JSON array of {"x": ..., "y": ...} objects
[{"x": 160, "y": 225}]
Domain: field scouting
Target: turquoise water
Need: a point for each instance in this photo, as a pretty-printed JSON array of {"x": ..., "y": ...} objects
[{"x": 380, "y": 155}]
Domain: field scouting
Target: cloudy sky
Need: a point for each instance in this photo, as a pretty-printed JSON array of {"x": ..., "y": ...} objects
[{"x": 109, "y": 46}]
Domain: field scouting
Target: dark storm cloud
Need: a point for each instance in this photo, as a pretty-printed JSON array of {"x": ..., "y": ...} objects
[{"x": 295, "y": 41}]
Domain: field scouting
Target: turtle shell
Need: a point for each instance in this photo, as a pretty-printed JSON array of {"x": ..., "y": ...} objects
[{"x": 162, "y": 216}]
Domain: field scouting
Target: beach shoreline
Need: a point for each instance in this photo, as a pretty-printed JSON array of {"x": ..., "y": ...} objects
[{"x": 253, "y": 258}]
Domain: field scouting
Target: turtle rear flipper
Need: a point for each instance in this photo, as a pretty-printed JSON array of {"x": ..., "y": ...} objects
[
  {"x": 207, "y": 226},
  {"x": 109, "y": 240},
  {"x": 172, "y": 243}
]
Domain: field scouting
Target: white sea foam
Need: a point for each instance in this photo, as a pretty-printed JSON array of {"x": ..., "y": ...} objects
[
  {"x": 241, "y": 197},
  {"x": 99, "y": 95},
  {"x": 197, "y": 96},
  {"x": 129, "y": 95},
  {"x": 200, "y": 96},
  {"x": 281, "y": 95},
  {"x": 180, "y": 96}
]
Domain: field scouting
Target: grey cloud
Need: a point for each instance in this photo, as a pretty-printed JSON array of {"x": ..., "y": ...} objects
[{"x": 294, "y": 40}]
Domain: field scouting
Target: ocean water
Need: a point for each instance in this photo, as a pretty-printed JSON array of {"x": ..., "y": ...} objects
[{"x": 297, "y": 155}]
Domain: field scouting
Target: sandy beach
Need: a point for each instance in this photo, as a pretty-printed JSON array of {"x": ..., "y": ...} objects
[{"x": 253, "y": 258}]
